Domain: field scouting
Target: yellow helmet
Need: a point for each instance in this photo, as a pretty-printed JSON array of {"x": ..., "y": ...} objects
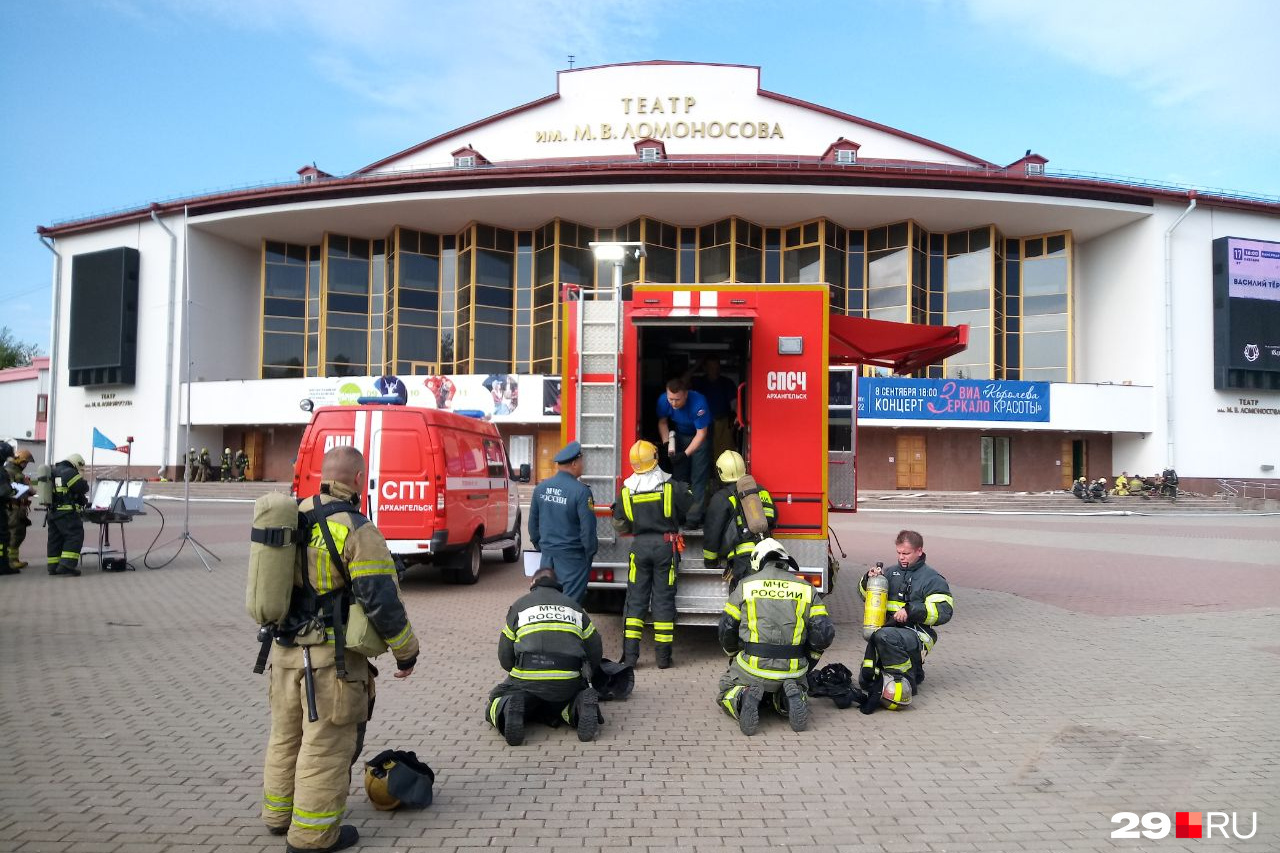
[
  {"x": 643, "y": 456},
  {"x": 394, "y": 778},
  {"x": 77, "y": 460},
  {"x": 731, "y": 466},
  {"x": 22, "y": 457}
]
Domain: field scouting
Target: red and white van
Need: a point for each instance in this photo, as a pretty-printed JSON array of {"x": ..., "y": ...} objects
[{"x": 439, "y": 486}]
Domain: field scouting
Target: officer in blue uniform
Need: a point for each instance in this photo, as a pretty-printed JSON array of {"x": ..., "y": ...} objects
[
  {"x": 686, "y": 415},
  {"x": 562, "y": 523}
]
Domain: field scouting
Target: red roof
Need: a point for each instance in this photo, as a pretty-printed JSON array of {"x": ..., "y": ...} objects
[{"x": 905, "y": 347}]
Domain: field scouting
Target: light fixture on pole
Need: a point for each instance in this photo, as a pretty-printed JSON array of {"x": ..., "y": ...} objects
[{"x": 616, "y": 253}]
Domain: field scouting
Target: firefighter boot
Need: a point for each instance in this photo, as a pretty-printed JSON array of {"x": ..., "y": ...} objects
[
  {"x": 513, "y": 719},
  {"x": 15, "y": 562},
  {"x": 797, "y": 706},
  {"x": 588, "y": 715},
  {"x": 749, "y": 710},
  {"x": 630, "y": 652},
  {"x": 348, "y": 835},
  {"x": 662, "y": 654}
]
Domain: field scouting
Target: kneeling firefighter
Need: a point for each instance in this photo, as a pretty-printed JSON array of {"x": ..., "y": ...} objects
[
  {"x": 919, "y": 600},
  {"x": 740, "y": 515},
  {"x": 323, "y": 584},
  {"x": 651, "y": 506},
  {"x": 773, "y": 649},
  {"x": 548, "y": 648}
]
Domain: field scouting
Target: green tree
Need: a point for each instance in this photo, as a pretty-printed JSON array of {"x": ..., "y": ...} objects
[{"x": 13, "y": 352}]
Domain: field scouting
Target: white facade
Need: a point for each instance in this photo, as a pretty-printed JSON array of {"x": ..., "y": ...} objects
[{"x": 1146, "y": 382}]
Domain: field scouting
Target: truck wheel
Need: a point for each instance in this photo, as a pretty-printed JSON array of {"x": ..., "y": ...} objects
[
  {"x": 512, "y": 553},
  {"x": 467, "y": 569}
]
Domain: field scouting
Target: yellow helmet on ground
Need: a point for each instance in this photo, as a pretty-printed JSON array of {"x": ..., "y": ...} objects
[
  {"x": 731, "y": 466},
  {"x": 394, "y": 778},
  {"x": 643, "y": 456}
]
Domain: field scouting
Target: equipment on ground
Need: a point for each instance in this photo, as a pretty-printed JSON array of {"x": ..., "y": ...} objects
[
  {"x": 876, "y": 605},
  {"x": 614, "y": 681},
  {"x": 896, "y": 693},
  {"x": 394, "y": 779}
]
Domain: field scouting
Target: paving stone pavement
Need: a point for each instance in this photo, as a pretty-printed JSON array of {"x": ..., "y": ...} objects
[{"x": 1094, "y": 666}]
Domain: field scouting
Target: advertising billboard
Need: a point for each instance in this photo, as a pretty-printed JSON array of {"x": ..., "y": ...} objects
[
  {"x": 1246, "y": 313},
  {"x": 952, "y": 399}
]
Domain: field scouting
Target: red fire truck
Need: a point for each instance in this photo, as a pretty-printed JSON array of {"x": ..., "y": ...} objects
[{"x": 778, "y": 342}]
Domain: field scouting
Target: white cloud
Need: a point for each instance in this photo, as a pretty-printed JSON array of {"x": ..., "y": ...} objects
[
  {"x": 1213, "y": 60},
  {"x": 427, "y": 67}
]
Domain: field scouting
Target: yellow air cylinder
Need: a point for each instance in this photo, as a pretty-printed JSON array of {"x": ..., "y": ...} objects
[{"x": 876, "y": 605}]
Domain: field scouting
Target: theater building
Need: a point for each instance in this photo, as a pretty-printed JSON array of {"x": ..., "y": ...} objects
[{"x": 1100, "y": 335}]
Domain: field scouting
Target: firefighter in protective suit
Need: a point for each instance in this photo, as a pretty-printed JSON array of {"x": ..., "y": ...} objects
[
  {"x": 919, "y": 601},
  {"x": 727, "y": 539},
  {"x": 549, "y": 648},
  {"x": 651, "y": 507},
  {"x": 307, "y": 770},
  {"x": 19, "y": 511},
  {"x": 782, "y": 635},
  {"x": 66, "y": 527},
  {"x": 7, "y": 499}
]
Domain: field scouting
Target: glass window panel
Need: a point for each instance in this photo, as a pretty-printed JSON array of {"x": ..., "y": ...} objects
[
  {"x": 494, "y": 268},
  {"x": 887, "y": 268},
  {"x": 748, "y": 264},
  {"x": 422, "y": 299},
  {"x": 898, "y": 235},
  {"x": 348, "y": 303},
  {"x": 347, "y": 276},
  {"x": 348, "y": 321},
  {"x": 417, "y": 344},
  {"x": 494, "y": 343},
  {"x": 1056, "y": 245},
  {"x": 970, "y": 271},
  {"x": 1047, "y": 374},
  {"x": 1045, "y": 349},
  {"x": 713, "y": 264},
  {"x": 279, "y": 372},
  {"x": 1046, "y": 276},
  {"x": 1044, "y": 305},
  {"x": 1045, "y": 323},
  {"x": 884, "y": 297},
  {"x": 895, "y": 315},
  {"x": 810, "y": 232},
  {"x": 418, "y": 318},
  {"x": 1035, "y": 247},
  {"x": 660, "y": 265},
  {"x": 284, "y": 307},
  {"x": 802, "y": 265},
  {"x": 542, "y": 342},
  {"x": 494, "y": 297},
  {"x": 283, "y": 324},
  {"x": 968, "y": 300},
  {"x": 979, "y": 239},
  {"x": 282, "y": 349},
  {"x": 347, "y": 346},
  {"x": 421, "y": 272},
  {"x": 485, "y": 314},
  {"x": 286, "y": 281},
  {"x": 273, "y": 252}
]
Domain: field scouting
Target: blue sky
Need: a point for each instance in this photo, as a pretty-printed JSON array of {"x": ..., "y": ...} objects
[{"x": 116, "y": 103}]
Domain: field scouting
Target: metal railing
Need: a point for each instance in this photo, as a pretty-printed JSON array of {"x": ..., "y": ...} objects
[{"x": 1261, "y": 489}]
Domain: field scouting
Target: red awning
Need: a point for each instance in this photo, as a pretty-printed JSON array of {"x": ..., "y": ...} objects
[{"x": 905, "y": 347}]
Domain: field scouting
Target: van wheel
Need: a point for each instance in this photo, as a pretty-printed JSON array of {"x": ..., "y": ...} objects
[
  {"x": 467, "y": 569},
  {"x": 512, "y": 553}
]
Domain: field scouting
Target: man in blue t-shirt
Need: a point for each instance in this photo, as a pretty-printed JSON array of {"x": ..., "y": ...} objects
[{"x": 685, "y": 416}]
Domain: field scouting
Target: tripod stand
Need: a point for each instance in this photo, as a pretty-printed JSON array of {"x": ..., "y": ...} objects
[{"x": 186, "y": 536}]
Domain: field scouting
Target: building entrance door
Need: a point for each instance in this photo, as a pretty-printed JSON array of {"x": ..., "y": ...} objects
[
  {"x": 1079, "y": 459},
  {"x": 911, "y": 462}
]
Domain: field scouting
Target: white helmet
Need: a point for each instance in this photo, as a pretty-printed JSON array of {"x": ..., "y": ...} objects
[
  {"x": 896, "y": 693},
  {"x": 771, "y": 549}
]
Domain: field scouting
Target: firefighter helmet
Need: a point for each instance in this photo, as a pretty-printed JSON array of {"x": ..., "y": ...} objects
[
  {"x": 644, "y": 457},
  {"x": 731, "y": 466},
  {"x": 394, "y": 778},
  {"x": 22, "y": 457},
  {"x": 896, "y": 693},
  {"x": 6, "y": 451},
  {"x": 77, "y": 460},
  {"x": 771, "y": 550}
]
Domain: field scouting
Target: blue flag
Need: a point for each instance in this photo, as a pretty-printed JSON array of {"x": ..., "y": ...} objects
[{"x": 101, "y": 441}]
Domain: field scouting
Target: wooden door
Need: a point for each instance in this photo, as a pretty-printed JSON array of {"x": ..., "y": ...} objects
[
  {"x": 910, "y": 462},
  {"x": 1065, "y": 461},
  {"x": 255, "y": 443}
]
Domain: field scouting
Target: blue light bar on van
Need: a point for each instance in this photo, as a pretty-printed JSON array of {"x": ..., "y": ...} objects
[
  {"x": 385, "y": 400},
  {"x": 478, "y": 414}
]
